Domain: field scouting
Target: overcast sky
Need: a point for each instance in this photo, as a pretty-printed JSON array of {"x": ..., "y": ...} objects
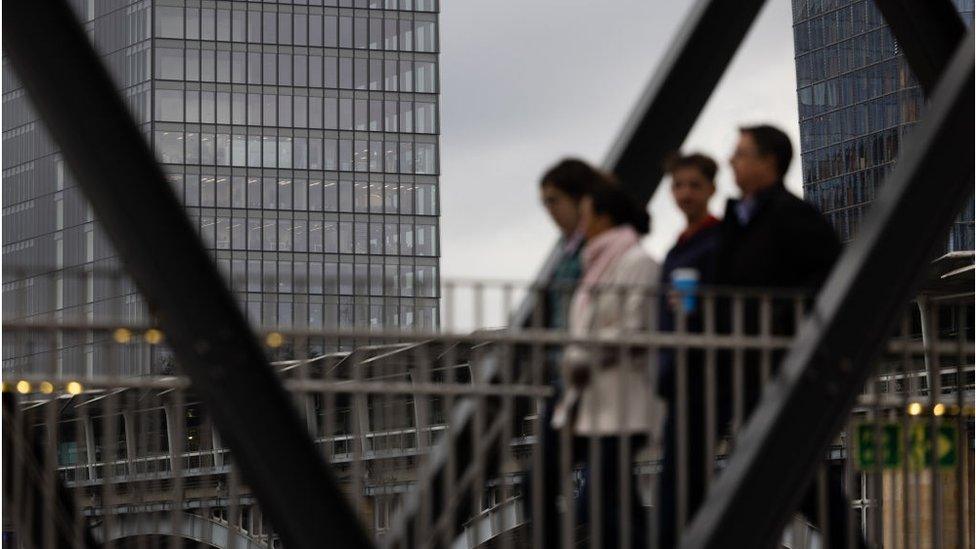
[{"x": 527, "y": 82}]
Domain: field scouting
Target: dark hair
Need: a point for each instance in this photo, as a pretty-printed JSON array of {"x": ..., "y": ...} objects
[
  {"x": 573, "y": 177},
  {"x": 612, "y": 200},
  {"x": 700, "y": 162},
  {"x": 772, "y": 141}
]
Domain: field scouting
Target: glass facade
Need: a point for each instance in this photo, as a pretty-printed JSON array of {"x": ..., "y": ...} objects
[
  {"x": 301, "y": 135},
  {"x": 858, "y": 101}
]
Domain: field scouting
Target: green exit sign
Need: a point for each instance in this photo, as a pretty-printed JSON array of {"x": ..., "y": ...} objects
[{"x": 883, "y": 445}]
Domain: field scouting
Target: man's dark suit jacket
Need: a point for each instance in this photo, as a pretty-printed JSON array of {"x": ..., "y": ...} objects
[{"x": 785, "y": 245}]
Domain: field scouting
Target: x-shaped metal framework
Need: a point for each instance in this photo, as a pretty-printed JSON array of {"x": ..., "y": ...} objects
[
  {"x": 827, "y": 365},
  {"x": 931, "y": 34}
]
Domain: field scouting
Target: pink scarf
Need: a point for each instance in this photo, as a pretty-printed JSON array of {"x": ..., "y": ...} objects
[{"x": 600, "y": 253}]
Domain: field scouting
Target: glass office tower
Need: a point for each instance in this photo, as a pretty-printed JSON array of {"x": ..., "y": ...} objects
[
  {"x": 858, "y": 101},
  {"x": 301, "y": 135}
]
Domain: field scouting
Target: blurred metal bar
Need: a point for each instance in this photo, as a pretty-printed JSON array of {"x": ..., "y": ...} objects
[
  {"x": 930, "y": 325},
  {"x": 834, "y": 350},
  {"x": 449, "y": 480},
  {"x": 925, "y": 320},
  {"x": 850, "y": 533},
  {"x": 568, "y": 517},
  {"x": 625, "y": 464},
  {"x": 160, "y": 249},
  {"x": 765, "y": 330},
  {"x": 653, "y": 436},
  {"x": 177, "y": 449},
  {"x": 234, "y": 520},
  {"x": 49, "y": 475},
  {"x": 928, "y": 33},
  {"x": 823, "y": 519},
  {"x": 962, "y": 439},
  {"x": 681, "y": 411},
  {"x": 677, "y": 92},
  {"x": 873, "y": 478},
  {"x": 738, "y": 367},
  {"x": 505, "y": 492},
  {"x": 906, "y": 391},
  {"x": 109, "y": 482},
  {"x": 525, "y": 337},
  {"x": 711, "y": 394}
]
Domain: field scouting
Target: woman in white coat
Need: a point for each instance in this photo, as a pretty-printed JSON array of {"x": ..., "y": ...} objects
[{"x": 610, "y": 396}]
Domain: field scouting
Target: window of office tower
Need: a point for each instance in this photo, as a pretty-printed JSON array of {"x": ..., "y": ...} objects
[
  {"x": 858, "y": 102},
  {"x": 308, "y": 131}
]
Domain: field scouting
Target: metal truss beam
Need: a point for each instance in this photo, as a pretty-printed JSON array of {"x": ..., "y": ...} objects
[
  {"x": 108, "y": 153},
  {"x": 659, "y": 123},
  {"x": 928, "y": 33},
  {"x": 825, "y": 370},
  {"x": 678, "y": 91}
]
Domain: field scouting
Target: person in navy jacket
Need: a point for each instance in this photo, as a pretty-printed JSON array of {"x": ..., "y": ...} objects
[{"x": 692, "y": 186}]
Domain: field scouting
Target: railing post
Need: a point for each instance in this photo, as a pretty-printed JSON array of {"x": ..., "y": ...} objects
[
  {"x": 128, "y": 424},
  {"x": 925, "y": 316},
  {"x": 89, "y": 444}
]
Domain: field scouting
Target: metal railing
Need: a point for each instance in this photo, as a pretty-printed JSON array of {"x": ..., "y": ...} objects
[
  {"x": 144, "y": 463},
  {"x": 796, "y": 419}
]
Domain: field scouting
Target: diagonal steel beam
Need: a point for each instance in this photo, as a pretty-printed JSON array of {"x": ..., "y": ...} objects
[
  {"x": 678, "y": 91},
  {"x": 75, "y": 97},
  {"x": 777, "y": 452},
  {"x": 659, "y": 123},
  {"x": 928, "y": 33}
]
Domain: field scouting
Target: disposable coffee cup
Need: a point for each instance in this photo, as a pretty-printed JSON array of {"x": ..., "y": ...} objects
[{"x": 685, "y": 282}]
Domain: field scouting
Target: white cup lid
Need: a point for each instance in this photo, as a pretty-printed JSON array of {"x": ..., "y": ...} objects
[{"x": 685, "y": 273}]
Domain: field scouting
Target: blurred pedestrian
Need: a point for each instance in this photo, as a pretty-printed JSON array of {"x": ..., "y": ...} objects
[
  {"x": 693, "y": 255},
  {"x": 561, "y": 189},
  {"x": 609, "y": 393},
  {"x": 770, "y": 239}
]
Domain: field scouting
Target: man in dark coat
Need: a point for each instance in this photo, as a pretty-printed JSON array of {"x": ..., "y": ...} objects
[
  {"x": 692, "y": 186},
  {"x": 772, "y": 240}
]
